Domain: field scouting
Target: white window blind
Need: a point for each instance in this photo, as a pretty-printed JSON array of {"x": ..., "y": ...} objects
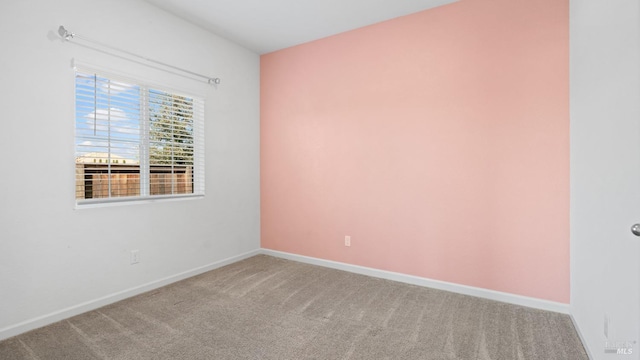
[{"x": 134, "y": 141}]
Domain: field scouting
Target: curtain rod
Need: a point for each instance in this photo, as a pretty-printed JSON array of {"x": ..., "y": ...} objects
[{"x": 68, "y": 36}]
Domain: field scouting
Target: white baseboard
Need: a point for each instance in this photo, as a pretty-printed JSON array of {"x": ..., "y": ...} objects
[
  {"x": 435, "y": 284},
  {"x": 66, "y": 313}
]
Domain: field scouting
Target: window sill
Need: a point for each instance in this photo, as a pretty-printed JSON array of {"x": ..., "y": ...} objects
[{"x": 125, "y": 201}]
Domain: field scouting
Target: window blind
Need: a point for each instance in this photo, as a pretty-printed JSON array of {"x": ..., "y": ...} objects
[{"x": 136, "y": 141}]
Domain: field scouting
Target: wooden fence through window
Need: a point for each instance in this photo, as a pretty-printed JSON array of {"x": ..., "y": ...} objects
[{"x": 92, "y": 180}]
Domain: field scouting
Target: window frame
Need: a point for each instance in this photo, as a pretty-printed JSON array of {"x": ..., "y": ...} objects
[{"x": 144, "y": 195}]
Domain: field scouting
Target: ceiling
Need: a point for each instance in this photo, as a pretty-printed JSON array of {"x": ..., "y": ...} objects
[{"x": 269, "y": 25}]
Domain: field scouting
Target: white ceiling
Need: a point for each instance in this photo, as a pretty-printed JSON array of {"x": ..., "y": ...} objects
[{"x": 268, "y": 25}]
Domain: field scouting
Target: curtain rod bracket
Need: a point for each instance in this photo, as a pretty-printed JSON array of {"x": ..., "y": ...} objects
[{"x": 66, "y": 35}]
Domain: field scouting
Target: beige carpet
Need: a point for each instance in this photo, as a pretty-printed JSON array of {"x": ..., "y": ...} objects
[{"x": 269, "y": 308}]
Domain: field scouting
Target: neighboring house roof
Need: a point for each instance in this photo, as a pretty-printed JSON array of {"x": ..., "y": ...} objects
[{"x": 98, "y": 157}]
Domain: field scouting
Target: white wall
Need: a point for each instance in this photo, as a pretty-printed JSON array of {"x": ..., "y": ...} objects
[
  {"x": 56, "y": 261},
  {"x": 605, "y": 172}
]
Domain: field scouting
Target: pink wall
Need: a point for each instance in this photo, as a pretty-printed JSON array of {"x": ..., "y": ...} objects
[{"x": 438, "y": 141}]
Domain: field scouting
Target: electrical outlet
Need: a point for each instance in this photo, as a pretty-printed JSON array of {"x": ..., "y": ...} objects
[
  {"x": 135, "y": 256},
  {"x": 347, "y": 240}
]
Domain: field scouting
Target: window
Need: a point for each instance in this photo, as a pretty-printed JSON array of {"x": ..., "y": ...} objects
[{"x": 134, "y": 141}]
